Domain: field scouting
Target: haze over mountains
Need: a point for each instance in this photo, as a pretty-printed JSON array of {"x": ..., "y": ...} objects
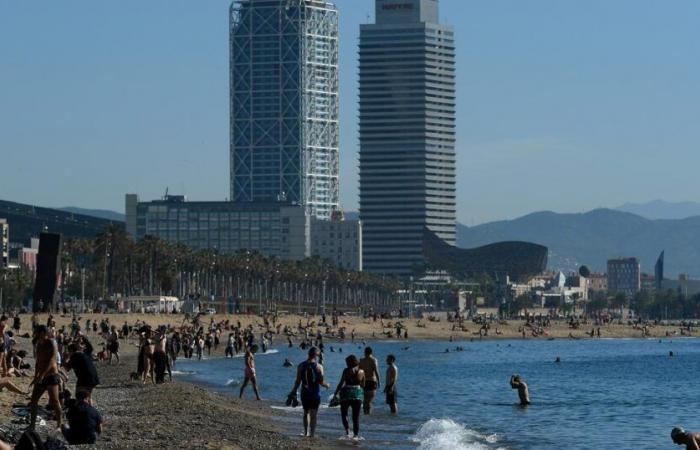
[{"x": 659, "y": 209}]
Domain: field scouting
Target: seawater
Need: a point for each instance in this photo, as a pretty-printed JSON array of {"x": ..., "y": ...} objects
[{"x": 605, "y": 394}]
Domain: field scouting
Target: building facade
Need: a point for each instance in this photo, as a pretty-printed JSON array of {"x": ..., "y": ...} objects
[
  {"x": 284, "y": 103},
  {"x": 273, "y": 229},
  {"x": 338, "y": 240},
  {"x": 624, "y": 276},
  {"x": 4, "y": 243},
  {"x": 407, "y": 134}
]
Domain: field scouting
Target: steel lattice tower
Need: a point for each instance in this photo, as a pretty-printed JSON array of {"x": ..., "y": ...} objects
[{"x": 284, "y": 103}]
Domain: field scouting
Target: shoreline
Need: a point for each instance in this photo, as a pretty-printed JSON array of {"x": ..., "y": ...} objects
[{"x": 188, "y": 414}]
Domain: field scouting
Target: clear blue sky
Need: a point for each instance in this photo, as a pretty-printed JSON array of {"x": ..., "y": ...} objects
[{"x": 564, "y": 105}]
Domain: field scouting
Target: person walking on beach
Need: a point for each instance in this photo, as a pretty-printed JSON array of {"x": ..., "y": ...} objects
[
  {"x": 113, "y": 344},
  {"x": 249, "y": 373},
  {"x": 370, "y": 366},
  {"x": 351, "y": 390},
  {"x": 310, "y": 378},
  {"x": 46, "y": 376},
  {"x": 682, "y": 437},
  {"x": 517, "y": 383},
  {"x": 392, "y": 378}
]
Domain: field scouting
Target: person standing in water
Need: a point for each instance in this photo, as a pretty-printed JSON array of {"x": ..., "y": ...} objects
[
  {"x": 310, "y": 378},
  {"x": 249, "y": 373},
  {"x": 370, "y": 366},
  {"x": 682, "y": 437},
  {"x": 392, "y": 377},
  {"x": 517, "y": 383},
  {"x": 351, "y": 390}
]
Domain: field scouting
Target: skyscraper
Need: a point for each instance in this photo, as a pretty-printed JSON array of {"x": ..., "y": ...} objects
[
  {"x": 407, "y": 134},
  {"x": 284, "y": 103}
]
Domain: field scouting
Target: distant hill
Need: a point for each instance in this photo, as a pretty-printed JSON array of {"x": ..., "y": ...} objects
[
  {"x": 660, "y": 209},
  {"x": 591, "y": 238},
  {"x": 27, "y": 221},
  {"x": 99, "y": 213}
]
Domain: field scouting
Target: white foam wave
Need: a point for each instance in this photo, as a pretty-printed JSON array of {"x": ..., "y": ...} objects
[
  {"x": 233, "y": 382},
  {"x": 446, "y": 434},
  {"x": 183, "y": 372}
]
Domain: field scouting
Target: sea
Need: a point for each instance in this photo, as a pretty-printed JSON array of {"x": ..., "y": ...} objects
[{"x": 604, "y": 394}]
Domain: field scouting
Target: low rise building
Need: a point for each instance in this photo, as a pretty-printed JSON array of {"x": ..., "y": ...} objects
[
  {"x": 338, "y": 240},
  {"x": 27, "y": 256},
  {"x": 597, "y": 282},
  {"x": 280, "y": 230},
  {"x": 684, "y": 285},
  {"x": 274, "y": 229},
  {"x": 624, "y": 276},
  {"x": 4, "y": 243}
]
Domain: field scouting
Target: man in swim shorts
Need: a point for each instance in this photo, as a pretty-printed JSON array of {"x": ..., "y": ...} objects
[
  {"x": 370, "y": 367},
  {"x": 46, "y": 376},
  {"x": 392, "y": 378}
]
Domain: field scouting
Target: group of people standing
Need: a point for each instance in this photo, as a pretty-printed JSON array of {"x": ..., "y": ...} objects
[{"x": 355, "y": 391}]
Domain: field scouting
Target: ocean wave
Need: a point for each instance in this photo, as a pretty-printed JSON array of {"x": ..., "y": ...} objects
[
  {"x": 183, "y": 372},
  {"x": 233, "y": 382},
  {"x": 446, "y": 434}
]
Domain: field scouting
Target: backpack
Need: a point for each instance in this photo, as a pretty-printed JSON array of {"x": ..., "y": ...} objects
[
  {"x": 309, "y": 375},
  {"x": 30, "y": 440}
]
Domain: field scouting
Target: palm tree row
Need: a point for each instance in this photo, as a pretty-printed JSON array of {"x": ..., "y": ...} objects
[{"x": 113, "y": 265}]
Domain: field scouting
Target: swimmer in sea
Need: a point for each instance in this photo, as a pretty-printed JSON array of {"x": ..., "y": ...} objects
[
  {"x": 517, "y": 383},
  {"x": 287, "y": 363},
  {"x": 682, "y": 437}
]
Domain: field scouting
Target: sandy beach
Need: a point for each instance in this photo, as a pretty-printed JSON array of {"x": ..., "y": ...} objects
[{"x": 183, "y": 415}]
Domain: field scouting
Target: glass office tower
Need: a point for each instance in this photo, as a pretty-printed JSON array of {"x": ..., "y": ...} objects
[
  {"x": 284, "y": 103},
  {"x": 407, "y": 134}
]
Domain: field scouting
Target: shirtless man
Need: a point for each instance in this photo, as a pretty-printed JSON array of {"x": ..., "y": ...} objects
[
  {"x": 517, "y": 383},
  {"x": 392, "y": 377},
  {"x": 46, "y": 376},
  {"x": 249, "y": 372},
  {"x": 682, "y": 437},
  {"x": 370, "y": 367}
]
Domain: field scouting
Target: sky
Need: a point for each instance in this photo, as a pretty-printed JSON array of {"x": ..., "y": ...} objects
[{"x": 563, "y": 105}]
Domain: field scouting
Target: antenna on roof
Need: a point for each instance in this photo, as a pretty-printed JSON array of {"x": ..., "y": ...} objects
[{"x": 166, "y": 193}]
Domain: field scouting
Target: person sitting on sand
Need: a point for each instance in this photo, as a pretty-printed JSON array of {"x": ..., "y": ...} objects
[
  {"x": 310, "y": 378},
  {"x": 249, "y": 373},
  {"x": 682, "y": 437},
  {"x": 84, "y": 422},
  {"x": 517, "y": 383}
]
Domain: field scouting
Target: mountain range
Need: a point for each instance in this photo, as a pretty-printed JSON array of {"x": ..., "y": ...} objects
[
  {"x": 99, "y": 213},
  {"x": 592, "y": 238}
]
